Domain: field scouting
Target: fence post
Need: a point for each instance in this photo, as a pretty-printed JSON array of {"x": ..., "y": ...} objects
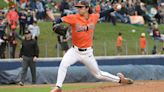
[
  {"x": 46, "y": 49},
  {"x": 147, "y": 48},
  {"x": 136, "y": 48},
  {"x": 126, "y": 47},
  {"x": 58, "y": 50},
  {"x": 105, "y": 49},
  {"x": 9, "y": 50}
]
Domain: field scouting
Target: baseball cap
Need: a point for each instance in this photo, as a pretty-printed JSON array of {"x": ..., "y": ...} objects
[
  {"x": 82, "y": 3},
  {"x": 143, "y": 34}
]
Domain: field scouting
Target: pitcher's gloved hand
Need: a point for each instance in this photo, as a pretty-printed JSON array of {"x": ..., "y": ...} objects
[{"x": 59, "y": 29}]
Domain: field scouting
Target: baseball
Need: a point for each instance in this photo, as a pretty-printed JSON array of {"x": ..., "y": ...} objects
[{"x": 133, "y": 30}]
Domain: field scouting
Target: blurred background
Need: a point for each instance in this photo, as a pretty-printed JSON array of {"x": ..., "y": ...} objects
[{"x": 135, "y": 17}]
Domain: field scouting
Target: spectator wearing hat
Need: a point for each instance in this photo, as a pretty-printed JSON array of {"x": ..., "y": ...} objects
[
  {"x": 34, "y": 29},
  {"x": 29, "y": 52},
  {"x": 119, "y": 43},
  {"x": 143, "y": 44}
]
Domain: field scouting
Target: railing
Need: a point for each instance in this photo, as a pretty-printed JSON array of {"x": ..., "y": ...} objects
[{"x": 50, "y": 49}]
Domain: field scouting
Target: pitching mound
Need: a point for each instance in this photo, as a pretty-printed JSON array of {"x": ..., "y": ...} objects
[{"x": 140, "y": 86}]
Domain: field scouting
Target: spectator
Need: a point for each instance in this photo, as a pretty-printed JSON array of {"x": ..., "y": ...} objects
[
  {"x": 3, "y": 38},
  {"x": 30, "y": 18},
  {"x": 35, "y": 30},
  {"x": 157, "y": 37},
  {"x": 29, "y": 52},
  {"x": 119, "y": 43},
  {"x": 22, "y": 22},
  {"x": 3, "y": 27},
  {"x": 143, "y": 44},
  {"x": 12, "y": 44},
  {"x": 156, "y": 34},
  {"x": 161, "y": 14},
  {"x": 162, "y": 50},
  {"x": 121, "y": 14},
  {"x": 64, "y": 5},
  {"x": 22, "y": 4},
  {"x": 31, "y": 4},
  {"x": 40, "y": 10},
  {"x": 13, "y": 18},
  {"x": 142, "y": 10},
  {"x": 3, "y": 46},
  {"x": 131, "y": 9}
]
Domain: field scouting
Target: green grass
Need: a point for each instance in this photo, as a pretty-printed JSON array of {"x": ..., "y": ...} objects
[
  {"x": 3, "y": 4},
  {"x": 42, "y": 88},
  {"x": 47, "y": 40},
  {"x": 25, "y": 89},
  {"x": 104, "y": 39}
]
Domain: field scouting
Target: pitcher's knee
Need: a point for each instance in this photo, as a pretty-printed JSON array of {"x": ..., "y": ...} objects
[{"x": 63, "y": 66}]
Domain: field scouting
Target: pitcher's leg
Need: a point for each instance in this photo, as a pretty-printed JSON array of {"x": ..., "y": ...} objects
[
  {"x": 69, "y": 58},
  {"x": 92, "y": 65}
]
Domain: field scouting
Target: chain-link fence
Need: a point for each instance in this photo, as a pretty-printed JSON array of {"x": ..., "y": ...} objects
[
  {"x": 50, "y": 49},
  {"x": 102, "y": 48}
]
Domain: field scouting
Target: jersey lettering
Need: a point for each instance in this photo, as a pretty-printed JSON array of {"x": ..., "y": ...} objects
[{"x": 80, "y": 28}]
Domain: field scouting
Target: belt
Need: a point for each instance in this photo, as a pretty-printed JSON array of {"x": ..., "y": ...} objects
[{"x": 80, "y": 49}]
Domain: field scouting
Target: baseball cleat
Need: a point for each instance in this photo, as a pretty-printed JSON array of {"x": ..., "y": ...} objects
[
  {"x": 21, "y": 83},
  {"x": 56, "y": 89},
  {"x": 124, "y": 80}
]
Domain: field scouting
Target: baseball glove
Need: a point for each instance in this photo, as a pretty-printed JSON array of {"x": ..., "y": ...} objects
[{"x": 59, "y": 29}]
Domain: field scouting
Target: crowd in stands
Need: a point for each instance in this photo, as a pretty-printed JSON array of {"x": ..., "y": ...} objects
[
  {"x": 12, "y": 19},
  {"x": 24, "y": 14}
]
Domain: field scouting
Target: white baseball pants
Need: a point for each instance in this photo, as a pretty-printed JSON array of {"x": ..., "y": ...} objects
[{"x": 87, "y": 58}]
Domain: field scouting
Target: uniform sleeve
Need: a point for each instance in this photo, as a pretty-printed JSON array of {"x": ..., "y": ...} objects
[
  {"x": 106, "y": 12},
  {"x": 70, "y": 19},
  {"x": 96, "y": 17}
]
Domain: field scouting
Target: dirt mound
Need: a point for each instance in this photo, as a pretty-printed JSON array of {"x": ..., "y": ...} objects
[{"x": 145, "y": 86}]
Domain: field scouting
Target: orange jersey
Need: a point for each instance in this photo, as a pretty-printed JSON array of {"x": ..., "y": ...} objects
[
  {"x": 142, "y": 42},
  {"x": 82, "y": 29},
  {"x": 119, "y": 41}
]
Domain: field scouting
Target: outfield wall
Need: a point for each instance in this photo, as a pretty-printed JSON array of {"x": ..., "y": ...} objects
[{"x": 149, "y": 67}]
